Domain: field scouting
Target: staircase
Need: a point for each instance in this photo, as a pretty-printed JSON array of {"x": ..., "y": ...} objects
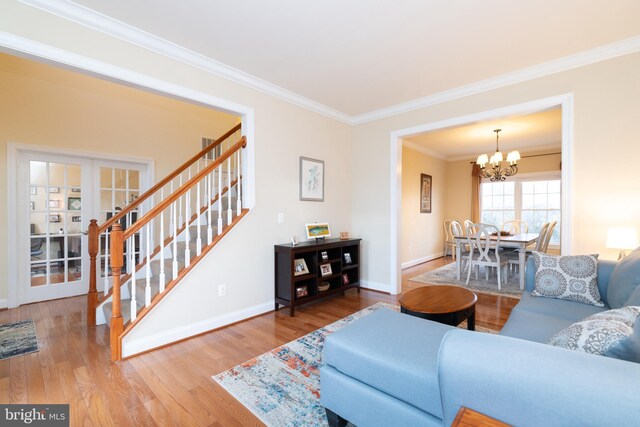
[{"x": 188, "y": 213}]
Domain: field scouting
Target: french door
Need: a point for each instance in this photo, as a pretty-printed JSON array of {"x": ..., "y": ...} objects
[{"x": 57, "y": 196}]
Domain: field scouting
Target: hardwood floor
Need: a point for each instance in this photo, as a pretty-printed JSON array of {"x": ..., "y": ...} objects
[{"x": 171, "y": 386}]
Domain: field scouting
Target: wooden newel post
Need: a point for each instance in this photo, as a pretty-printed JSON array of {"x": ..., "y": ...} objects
[
  {"x": 116, "y": 313},
  {"x": 92, "y": 296}
]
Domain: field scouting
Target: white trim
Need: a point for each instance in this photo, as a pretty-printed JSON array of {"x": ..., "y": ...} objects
[
  {"x": 375, "y": 286},
  {"x": 424, "y": 150},
  {"x": 421, "y": 260},
  {"x": 564, "y": 100},
  {"x": 534, "y": 151},
  {"x": 580, "y": 59},
  {"x": 130, "y": 348},
  {"x": 114, "y": 28},
  {"x": 3, "y": 303}
]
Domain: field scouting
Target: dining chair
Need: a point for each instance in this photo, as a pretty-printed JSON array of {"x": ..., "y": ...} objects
[
  {"x": 468, "y": 223},
  {"x": 485, "y": 251},
  {"x": 547, "y": 239},
  {"x": 448, "y": 239},
  {"x": 515, "y": 226},
  {"x": 455, "y": 230},
  {"x": 513, "y": 257}
]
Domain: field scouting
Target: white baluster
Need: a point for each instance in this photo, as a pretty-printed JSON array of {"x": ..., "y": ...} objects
[
  {"x": 161, "y": 276},
  {"x": 134, "y": 303},
  {"x": 229, "y": 209},
  {"x": 180, "y": 219},
  {"x": 209, "y": 196},
  {"x": 220, "y": 199},
  {"x": 187, "y": 240},
  {"x": 172, "y": 219},
  {"x": 198, "y": 211},
  {"x": 147, "y": 287},
  {"x": 175, "y": 244},
  {"x": 238, "y": 189},
  {"x": 107, "y": 254}
]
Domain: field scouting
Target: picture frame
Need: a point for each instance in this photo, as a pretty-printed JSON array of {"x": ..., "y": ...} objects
[
  {"x": 76, "y": 218},
  {"x": 32, "y": 206},
  {"x": 347, "y": 258},
  {"x": 54, "y": 190},
  {"x": 344, "y": 235},
  {"x": 302, "y": 291},
  {"x": 54, "y": 204},
  {"x": 318, "y": 230},
  {"x": 324, "y": 255},
  {"x": 345, "y": 279},
  {"x": 33, "y": 190},
  {"x": 325, "y": 270},
  {"x": 311, "y": 179},
  {"x": 425, "y": 193},
  {"x": 300, "y": 267},
  {"x": 76, "y": 190},
  {"x": 74, "y": 203},
  {"x": 54, "y": 218}
]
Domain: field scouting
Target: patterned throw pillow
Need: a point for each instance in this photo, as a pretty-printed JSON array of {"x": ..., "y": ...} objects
[
  {"x": 573, "y": 278},
  {"x": 612, "y": 333}
]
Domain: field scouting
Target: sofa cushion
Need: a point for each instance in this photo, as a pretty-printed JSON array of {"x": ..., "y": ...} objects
[
  {"x": 392, "y": 352},
  {"x": 569, "y": 310},
  {"x": 610, "y": 333},
  {"x": 571, "y": 277},
  {"x": 531, "y": 326},
  {"x": 624, "y": 280}
]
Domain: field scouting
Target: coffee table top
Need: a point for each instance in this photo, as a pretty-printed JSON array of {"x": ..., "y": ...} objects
[{"x": 438, "y": 299}]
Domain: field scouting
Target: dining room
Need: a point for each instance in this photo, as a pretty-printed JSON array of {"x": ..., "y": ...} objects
[{"x": 446, "y": 194}]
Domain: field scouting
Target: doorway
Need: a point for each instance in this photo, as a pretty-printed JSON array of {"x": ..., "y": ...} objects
[{"x": 56, "y": 196}]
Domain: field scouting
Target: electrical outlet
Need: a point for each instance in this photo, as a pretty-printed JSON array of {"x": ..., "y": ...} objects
[{"x": 222, "y": 290}]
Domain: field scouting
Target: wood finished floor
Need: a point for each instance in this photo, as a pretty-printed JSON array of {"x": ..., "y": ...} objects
[{"x": 171, "y": 386}]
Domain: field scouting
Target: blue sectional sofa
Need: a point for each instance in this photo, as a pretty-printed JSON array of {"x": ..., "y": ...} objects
[{"x": 391, "y": 369}]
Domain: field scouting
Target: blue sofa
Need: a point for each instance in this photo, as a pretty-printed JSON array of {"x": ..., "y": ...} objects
[{"x": 392, "y": 369}]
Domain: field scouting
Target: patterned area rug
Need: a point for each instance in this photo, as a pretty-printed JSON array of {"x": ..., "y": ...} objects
[
  {"x": 282, "y": 387},
  {"x": 446, "y": 275},
  {"x": 17, "y": 339}
]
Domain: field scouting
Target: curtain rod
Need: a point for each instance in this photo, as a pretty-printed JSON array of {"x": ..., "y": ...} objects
[{"x": 531, "y": 155}]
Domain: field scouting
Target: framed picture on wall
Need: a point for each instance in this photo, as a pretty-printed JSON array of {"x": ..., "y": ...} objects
[
  {"x": 425, "y": 193},
  {"x": 74, "y": 203},
  {"x": 311, "y": 179}
]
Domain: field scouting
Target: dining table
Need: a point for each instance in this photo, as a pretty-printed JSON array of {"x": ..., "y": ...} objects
[{"x": 515, "y": 241}]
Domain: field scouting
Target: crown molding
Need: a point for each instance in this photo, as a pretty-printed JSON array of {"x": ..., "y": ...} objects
[
  {"x": 120, "y": 30},
  {"x": 602, "y": 53},
  {"x": 424, "y": 150},
  {"x": 112, "y": 27}
]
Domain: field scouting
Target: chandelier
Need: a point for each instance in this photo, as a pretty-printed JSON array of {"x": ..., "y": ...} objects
[{"x": 495, "y": 172}]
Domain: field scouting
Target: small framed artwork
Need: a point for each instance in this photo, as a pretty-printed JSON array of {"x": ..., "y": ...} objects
[
  {"x": 54, "y": 218},
  {"x": 325, "y": 270},
  {"x": 76, "y": 190},
  {"x": 302, "y": 291},
  {"x": 345, "y": 279},
  {"x": 54, "y": 204},
  {"x": 33, "y": 190},
  {"x": 425, "y": 193},
  {"x": 54, "y": 189},
  {"x": 318, "y": 230},
  {"x": 74, "y": 203},
  {"x": 32, "y": 206},
  {"x": 324, "y": 255},
  {"x": 344, "y": 235},
  {"x": 347, "y": 258},
  {"x": 311, "y": 180},
  {"x": 76, "y": 218},
  {"x": 300, "y": 267}
]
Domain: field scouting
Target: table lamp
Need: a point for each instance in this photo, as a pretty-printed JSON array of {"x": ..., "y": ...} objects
[{"x": 622, "y": 238}]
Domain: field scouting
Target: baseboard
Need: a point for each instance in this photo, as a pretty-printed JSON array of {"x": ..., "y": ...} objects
[
  {"x": 4, "y": 303},
  {"x": 420, "y": 260},
  {"x": 375, "y": 286},
  {"x": 173, "y": 335}
]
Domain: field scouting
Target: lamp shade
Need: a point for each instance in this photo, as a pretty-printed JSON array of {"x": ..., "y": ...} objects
[
  {"x": 496, "y": 158},
  {"x": 513, "y": 157},
  {"x": 622, "y": 238},
  {"x": 483, "y": 159}
]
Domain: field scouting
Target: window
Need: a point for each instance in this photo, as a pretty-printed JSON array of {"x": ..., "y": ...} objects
[{"x": 534, "y": 199}]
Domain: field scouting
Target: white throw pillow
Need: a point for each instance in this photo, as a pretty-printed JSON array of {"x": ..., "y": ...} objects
[{"x": 571, "y": 277}]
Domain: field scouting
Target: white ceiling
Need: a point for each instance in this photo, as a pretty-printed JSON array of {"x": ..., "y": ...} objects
[
  {"x": 528, "y": 133},
  {"x": 358, "y": 56}
]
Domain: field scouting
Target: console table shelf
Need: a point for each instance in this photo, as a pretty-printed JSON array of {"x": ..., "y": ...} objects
[{"x": 342, "y": 255}]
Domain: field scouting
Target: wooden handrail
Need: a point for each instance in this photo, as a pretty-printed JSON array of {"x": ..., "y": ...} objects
[
  {"x": 166, "y": 180},
  {"x": 141, "y": 222}
]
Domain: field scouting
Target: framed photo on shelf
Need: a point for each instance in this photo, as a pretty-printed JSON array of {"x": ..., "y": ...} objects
[
  {"x": 74, "y": 203},
  {"x": 347, "y": 258},
  {"x": 345, "y": 279},
  {"x": 344, "y": 235},
  {"x": 317, "y": 230},
  {"x": 32, "y": 206},
  {"x": 54, "y": 204},
  {"x": 54, "y": 218},
  {"x": 33, "y": 190},
  {"x": 425, "y": 193},
  {"x": 76, "y": 218},
  {"x": 325, "y": 270},
  {"x": 300, "y": 267},
  {"x": 311, "y": 180},
  {"x": 76, "y": 190},
  {"x": 54, "y": 189},
  {"x": 302, "y": 291},
  {"x": 324, "y": 255}
]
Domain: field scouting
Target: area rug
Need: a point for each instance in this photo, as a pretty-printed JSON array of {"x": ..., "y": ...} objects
[
  {"x": 17, "y": 339},
  {"x": 447, "y": 275},
  {"x": 282, "y": 387}
]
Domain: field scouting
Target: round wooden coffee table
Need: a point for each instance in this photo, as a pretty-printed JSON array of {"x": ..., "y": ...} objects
[{"x": 446, "y": 304}]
